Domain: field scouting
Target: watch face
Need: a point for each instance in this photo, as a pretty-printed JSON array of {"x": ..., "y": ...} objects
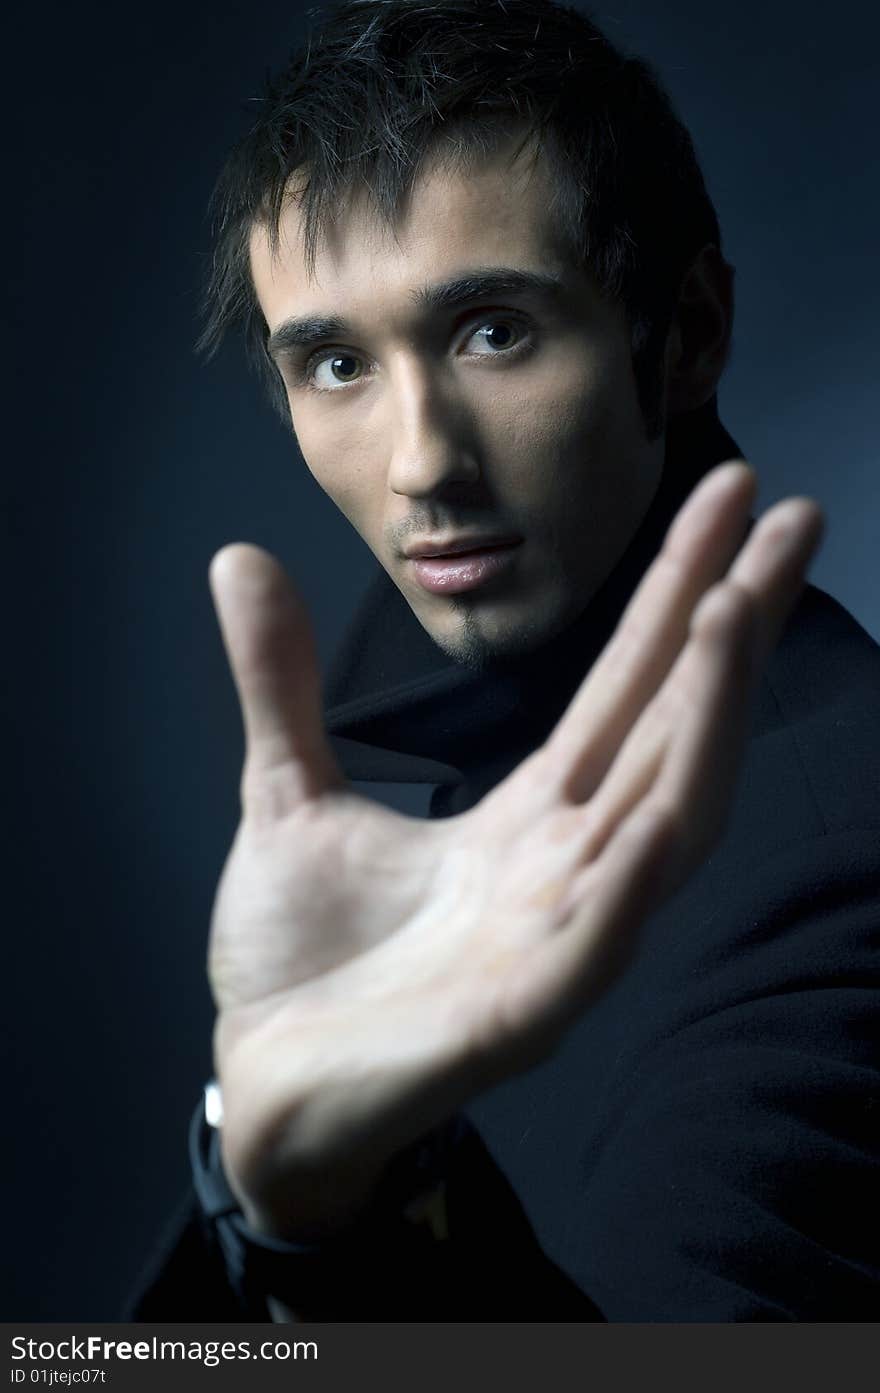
[{"x": 213, "y": 1104}]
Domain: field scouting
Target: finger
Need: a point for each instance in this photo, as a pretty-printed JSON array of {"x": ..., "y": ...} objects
[
  {"x": 703, "y": 754},
  {"x": 661, "y": 836},
  {"x": 573, "y": 967},
  {"x": 772, "y": 566},
  {"x": 764, "y": 583},
  {"x": 667, "y": 832},
  {"x": 271, "y": 653},
  {"x": 700, "y": 546}
]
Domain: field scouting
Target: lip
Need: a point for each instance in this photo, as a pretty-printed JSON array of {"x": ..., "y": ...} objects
[
  {"x": 454, "y": 546},
  {"x": 453, "y": 572}
]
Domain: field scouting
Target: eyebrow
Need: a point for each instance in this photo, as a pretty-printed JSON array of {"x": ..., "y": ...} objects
[
  {"x": 486, "y": 285},
  {"x": 492, "y": 284}
]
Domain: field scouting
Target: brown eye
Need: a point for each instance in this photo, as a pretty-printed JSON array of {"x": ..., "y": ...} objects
[
  {"x": 344, "y": 368},
  {"x": 500, "y": 335},
  {"x": 494, "y": 338},
  {"x": 336, "y": 370}
]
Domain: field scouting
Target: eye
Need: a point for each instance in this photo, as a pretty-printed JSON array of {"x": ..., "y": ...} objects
[
  {"x": 495, "y": 337},
  {"x": 335, "y": 370}
]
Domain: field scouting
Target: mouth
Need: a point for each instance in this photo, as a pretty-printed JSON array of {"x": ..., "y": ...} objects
[{"x": 463, "y": 564}]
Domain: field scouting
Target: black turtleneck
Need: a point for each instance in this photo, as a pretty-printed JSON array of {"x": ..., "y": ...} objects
[{"x": 704, "y": 1144}]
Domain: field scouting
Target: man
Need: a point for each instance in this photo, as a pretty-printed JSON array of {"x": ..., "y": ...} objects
[{"x": 472, "y": 249}]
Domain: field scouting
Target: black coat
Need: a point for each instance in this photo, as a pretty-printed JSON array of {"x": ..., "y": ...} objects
[{"x": 705, "y": 1145}]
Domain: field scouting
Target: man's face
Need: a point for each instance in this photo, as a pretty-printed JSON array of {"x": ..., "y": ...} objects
[{"x": 465, "y": 396}]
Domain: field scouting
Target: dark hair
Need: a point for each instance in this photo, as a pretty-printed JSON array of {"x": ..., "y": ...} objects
[{"x": 380, "y": 84}]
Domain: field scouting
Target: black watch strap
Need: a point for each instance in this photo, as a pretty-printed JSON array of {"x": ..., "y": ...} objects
[{"x": 381, "y": 1260}]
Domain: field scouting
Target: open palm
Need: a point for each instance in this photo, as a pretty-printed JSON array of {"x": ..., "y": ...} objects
[{"x": 373, "y": 971}]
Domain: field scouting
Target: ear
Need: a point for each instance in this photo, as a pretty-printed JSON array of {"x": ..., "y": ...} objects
[{"x": 698, "y": 342}]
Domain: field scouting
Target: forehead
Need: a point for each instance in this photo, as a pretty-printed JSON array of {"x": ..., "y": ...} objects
[{"x": 498, "y": 211}]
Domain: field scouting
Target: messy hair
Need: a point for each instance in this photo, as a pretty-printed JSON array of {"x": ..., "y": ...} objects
[{"x": 382, "y": 85}]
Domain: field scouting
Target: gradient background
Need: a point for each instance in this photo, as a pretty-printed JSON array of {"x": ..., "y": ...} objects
[{"x": 130, "y": 464}]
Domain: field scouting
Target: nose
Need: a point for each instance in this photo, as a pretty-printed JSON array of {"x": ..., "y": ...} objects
[{"x": 431, "y": 439}]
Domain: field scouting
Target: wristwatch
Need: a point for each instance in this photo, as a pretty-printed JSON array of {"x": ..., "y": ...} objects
[{"x": 378, "y": 1262}]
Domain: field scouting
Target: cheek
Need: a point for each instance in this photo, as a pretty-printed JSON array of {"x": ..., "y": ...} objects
[
  {"x": 554, "y": 427},
  {"x": 341, "y": 460}
]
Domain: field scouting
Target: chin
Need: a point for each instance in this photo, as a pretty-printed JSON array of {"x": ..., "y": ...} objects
[{"x": 478, "y": 644}]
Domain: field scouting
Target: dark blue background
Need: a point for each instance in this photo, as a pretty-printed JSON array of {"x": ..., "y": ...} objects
[{"x": 129, "y": 464}]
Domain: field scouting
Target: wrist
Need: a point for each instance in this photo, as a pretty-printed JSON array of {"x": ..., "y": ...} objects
[
  {"x": 310, "y": 1209},
  {"x": 316, "y": 1267}
]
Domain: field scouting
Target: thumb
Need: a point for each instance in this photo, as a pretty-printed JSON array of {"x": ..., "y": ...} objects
[{"x": 272, "y": 656}]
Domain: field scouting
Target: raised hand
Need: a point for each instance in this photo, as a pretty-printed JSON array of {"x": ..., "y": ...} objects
[{"x": 373, "y": 971}]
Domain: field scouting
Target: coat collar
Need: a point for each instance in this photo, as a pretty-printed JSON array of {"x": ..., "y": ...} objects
[{"x": 400, "y": 710}]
